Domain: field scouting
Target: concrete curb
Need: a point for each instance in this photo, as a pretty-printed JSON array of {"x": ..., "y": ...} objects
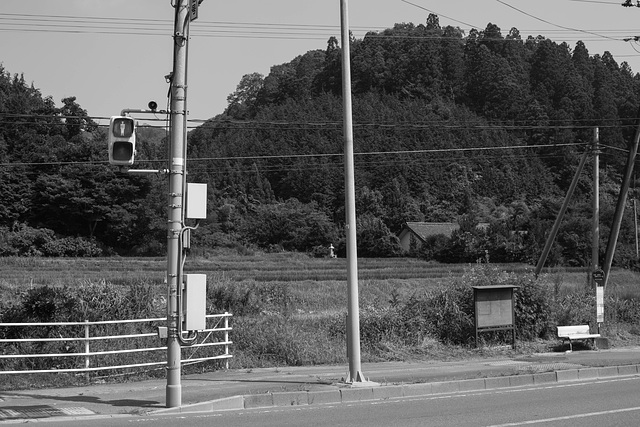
[{"x": 345, "y": 394}]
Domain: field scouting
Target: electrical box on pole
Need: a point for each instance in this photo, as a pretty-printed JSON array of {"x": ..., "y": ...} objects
[
  {"x": 194, "y": 304},
  {"x": 122, "y": 140},
  {"x": 196, "y": 207}
]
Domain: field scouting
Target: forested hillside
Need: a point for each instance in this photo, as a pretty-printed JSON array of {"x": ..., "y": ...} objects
[{"x": 480, "y": 127}]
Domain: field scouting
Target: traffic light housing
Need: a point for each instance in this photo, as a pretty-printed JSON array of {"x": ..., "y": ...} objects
[{"x": 122, "y": 140}]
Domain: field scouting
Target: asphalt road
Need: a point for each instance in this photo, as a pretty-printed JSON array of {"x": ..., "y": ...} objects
[{"x": 612, "y": 402}]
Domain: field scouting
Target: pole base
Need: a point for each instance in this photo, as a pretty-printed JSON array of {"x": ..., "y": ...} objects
[
  {"x": 173, "y": 396},
  {"x": 358, "y": 380}
]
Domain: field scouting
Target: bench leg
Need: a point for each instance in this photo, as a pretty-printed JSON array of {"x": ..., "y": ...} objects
[{"x": 564, "y": 340}]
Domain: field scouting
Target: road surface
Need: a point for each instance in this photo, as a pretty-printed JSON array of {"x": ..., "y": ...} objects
[{"x": 613, "y": 402}]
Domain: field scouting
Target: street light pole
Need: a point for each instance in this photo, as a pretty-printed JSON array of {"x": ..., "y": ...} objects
[
  {"x": 353, "y": 311},
  {"x": 178, "y": 112}
]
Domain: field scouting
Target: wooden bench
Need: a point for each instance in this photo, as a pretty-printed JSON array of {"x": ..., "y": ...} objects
[{"x": 576, "y": 333}]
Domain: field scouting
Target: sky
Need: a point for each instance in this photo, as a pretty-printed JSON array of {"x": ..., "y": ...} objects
[{"x": 113, "y": 54}]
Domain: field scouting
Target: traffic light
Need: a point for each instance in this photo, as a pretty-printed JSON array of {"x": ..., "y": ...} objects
[{"x": 122, "y": 140}]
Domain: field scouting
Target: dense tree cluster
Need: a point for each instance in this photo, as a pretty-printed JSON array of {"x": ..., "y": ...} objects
[
  {"x": 482, "y": 127},
  {"x": 59, "y": 195}
]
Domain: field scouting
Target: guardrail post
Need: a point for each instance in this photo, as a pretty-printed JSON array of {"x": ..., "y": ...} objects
[
  {"x": 86, "y": 348},
  {"x": 226, "y": 339}
]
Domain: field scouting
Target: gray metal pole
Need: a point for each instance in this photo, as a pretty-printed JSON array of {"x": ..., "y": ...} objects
[
  {"x": 622, "y": 201},
  {"x": 635, "y": 224},
  {"x": 175, "y": 200},
  {"x": 595, "y": 242},
  {"x": 353, "y": 313},
  {"x": 563, "y": 209}
]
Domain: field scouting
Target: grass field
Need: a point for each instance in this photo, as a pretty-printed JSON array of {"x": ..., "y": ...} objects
[
  {"x": 312, "y": 284},
  {"x": 262, "y": 267},
  {"x": 289, "y": 309}
]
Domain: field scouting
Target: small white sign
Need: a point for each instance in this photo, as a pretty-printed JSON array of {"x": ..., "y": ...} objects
[{"x": 600, "y": 304}]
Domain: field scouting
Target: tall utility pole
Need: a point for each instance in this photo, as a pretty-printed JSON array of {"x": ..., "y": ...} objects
[
  {"x": 177, "y": 158},
  {"x": 353, "y": 311},
  {"x": 558, "y": 221},
  {"x": 635, "y": 225},
  {"x": 595, "y": 242},
  {"x": 622, "y": 201}
]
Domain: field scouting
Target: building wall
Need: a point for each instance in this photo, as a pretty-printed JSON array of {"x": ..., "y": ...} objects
[{"x": 407, "y": 239}]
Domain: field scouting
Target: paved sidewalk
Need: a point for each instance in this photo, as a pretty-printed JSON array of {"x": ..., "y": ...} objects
[{"x": 245, "y": 389}]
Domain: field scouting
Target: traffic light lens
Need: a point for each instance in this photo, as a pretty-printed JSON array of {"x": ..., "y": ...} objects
[
  {"x": 122, "y": 128},
  {"x": 122, "y": 150}
]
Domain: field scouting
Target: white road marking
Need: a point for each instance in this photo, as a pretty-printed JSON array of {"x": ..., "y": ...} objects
[{"x": 567, "y": 417}]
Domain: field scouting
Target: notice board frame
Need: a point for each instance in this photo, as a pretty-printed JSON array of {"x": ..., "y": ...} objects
[{"x": 494, "y": 308}]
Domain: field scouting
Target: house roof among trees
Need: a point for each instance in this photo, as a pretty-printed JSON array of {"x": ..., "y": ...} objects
[{"x": 425, "y": 229}]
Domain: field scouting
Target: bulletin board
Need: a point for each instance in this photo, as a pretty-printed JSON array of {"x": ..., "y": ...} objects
[{"x": 495, "y": 309}]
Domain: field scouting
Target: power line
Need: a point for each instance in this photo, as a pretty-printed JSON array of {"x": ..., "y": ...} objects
[
  {"x": 319, "y": 155},
  {"x": 158, "y": 27},
  {"x": 615, "y": 3},
  {"x": 361, "y": 158},
  {"x": 555, "y": 25},
  {"x": 66, "y": 23},
  {"x": 32, "y": 120},
  {"x": 439, "y": 14}
]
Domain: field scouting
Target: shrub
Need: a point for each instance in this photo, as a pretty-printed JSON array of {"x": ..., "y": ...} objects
[
  {"x": 249, "y": 298},
  {"x": 623, "y": 310},
  {"x": 41, "y": 305},
  {"x": 23, "y": 240},
  {"x": 93, "y": 302},
  {"x": 374, "y": 238},
  {"x": 380, "y": 324},
  {"x": 44, "y": 304},
  {"x": 432, "y": 246},
  {"x": 450, "y": 312},
  {"x": 533, "y": 309},
  {"x": 447, "y": 312},
  {"x": 575, "y": 308},
  {"x": 291, "y": 225},
  {"x": 106, "y": 301},
  {"x": 320, "y": 251},
  {"x": 277, "y": 341},
  {"x": 239, "y": 299},
  {"x": 71, "y": 247}
]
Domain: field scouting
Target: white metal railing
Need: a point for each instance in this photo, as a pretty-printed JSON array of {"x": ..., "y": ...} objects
[{"x": 87, "y": 339}]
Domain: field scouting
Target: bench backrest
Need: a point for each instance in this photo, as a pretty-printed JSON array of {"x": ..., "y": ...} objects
[{"x": 570, "y": 330}]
